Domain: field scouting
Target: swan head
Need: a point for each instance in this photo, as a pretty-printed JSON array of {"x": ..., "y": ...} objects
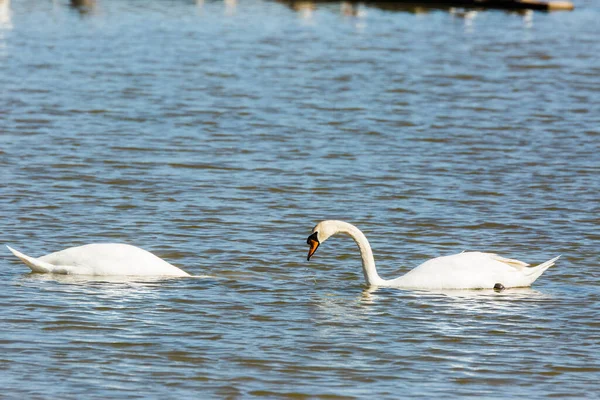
[{"x": 320, "y": 234}]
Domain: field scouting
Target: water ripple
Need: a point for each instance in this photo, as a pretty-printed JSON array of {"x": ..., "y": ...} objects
[{"x": 216, "y": 134}]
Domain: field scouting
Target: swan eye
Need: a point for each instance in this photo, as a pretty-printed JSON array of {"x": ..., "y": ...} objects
[{"x": 313, "y": 238}]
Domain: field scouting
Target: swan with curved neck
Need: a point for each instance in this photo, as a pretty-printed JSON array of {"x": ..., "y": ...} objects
[
  {"x": 467, "y": 270},
  {"x": 101, "y": 259}
]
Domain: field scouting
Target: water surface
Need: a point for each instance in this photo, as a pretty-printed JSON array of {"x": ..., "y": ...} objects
[{"x": 217, "y": 134}]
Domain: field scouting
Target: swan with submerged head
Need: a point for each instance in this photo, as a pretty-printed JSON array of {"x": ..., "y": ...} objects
[
  {"x": 101, "y": 259},
  {"x": 467, "y": 270}
]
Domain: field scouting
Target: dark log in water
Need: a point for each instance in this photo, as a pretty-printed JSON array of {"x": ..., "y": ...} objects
[
  {"x": 502, "y": 4},
  {"x": 497, "y": 4}
]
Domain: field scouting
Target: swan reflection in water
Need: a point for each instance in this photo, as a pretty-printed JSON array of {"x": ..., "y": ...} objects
[
  {"x": 5, "y": 17},
  {"x": 372, "y": 294},
  {"x": 114, "y": 281},
  {"x": 230, "y": 6}
]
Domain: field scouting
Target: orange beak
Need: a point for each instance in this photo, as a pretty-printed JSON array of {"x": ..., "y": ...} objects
[
  {"x": 313, "y": 244},
  {"x": 313, "y": 247}
]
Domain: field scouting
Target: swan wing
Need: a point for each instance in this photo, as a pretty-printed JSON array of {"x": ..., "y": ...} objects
[{"x": 508, "y": 261}]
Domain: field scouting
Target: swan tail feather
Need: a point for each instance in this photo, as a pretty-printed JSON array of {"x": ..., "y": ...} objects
[
  {"x": 539, "y": 269},
  {"x": 33, "y": 263}
]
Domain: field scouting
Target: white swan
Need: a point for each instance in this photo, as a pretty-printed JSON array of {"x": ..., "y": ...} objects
[
  {"x": 101, "y": 259},
  {"x": 467, "y": 270}
]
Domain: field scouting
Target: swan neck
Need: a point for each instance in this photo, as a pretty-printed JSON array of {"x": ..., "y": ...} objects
[{"x": 368, "y": 261}]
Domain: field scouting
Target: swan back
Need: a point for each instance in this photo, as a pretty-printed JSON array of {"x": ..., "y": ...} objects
[
  {"x": 102, "y": 259},
  {"x": 471, "y": 270}
]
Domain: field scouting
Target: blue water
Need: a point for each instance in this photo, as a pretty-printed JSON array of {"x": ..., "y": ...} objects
[{"x": 217, "y": 134}]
